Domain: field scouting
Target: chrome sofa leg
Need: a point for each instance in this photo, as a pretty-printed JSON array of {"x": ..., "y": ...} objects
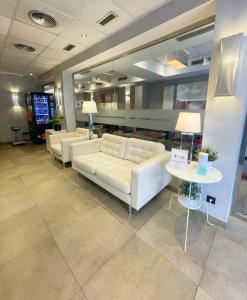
[{"x": 130, "y": 211}]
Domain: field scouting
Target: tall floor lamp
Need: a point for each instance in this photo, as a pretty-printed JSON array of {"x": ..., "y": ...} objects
[
  {"x": 90, "y": 108},
  {"x": 188, "y": 123}
]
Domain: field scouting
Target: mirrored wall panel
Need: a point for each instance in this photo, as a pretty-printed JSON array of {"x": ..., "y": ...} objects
[{"x": 167, "y": 76}]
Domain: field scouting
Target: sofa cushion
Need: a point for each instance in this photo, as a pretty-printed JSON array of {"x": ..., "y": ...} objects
[
  {"x": 91, "y": 162},
  {"x": 117, "y": 174},
  {"x": 56, "y": 149},
  {"x": 113, "y": 145},
  {"x": 140, "y": 150},
  {"x": 81, "y": 131}
]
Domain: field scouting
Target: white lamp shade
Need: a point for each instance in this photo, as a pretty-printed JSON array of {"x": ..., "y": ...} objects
[
  {"x": 189, "y": 122},
  {"x": 89, "y": 107}
]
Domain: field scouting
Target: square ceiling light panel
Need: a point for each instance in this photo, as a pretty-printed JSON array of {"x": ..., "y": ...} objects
[
  {"x": 12, "y": 41},
  {"x": 4, "y": 24},
  {"x": 7, "y": 7},
  {"x": 27, "y": 6},
  {"x": 77, "y": 28},
  {"x": 71, "y": 8},
  {"x": 60, "y": 43},
  {"x": 98, "y": 10},
  {"x": 31, "y": 34}
]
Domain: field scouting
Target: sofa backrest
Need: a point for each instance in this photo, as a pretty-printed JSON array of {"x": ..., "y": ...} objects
[
  {"x": 140, "y": 150},
  {"x": 113, "y": 145},
  {"x": 82, "y": 131}
]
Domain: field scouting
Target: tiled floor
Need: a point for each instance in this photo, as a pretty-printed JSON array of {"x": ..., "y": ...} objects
[{"x": 60, "y": 240}]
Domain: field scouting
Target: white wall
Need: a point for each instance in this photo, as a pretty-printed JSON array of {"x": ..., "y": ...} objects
[
  {"x": 224, "y": 116},
  {"x": 10, "y": 115}
]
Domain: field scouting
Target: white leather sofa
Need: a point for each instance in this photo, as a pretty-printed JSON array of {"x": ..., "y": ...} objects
[
  {"x": 131, "y": 169},
  {"x": 60, "y": 143}
]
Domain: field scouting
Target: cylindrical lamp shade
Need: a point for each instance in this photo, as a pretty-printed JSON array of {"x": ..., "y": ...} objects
[
  {"x": 89, "y": 107},
  {"x": 189, "y": 122}
]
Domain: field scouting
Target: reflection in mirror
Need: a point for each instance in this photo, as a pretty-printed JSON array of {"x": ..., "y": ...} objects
[{"x": 170, "y": 75}]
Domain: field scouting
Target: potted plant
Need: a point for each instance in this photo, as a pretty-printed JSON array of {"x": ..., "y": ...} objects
[
  {"x": 186, "y": 196},
  {"x": 213, "y": 155},
  {"x": 56, "y": 122}
]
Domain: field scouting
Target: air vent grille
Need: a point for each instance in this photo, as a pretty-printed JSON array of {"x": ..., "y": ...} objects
[
  {"x": 122, "y": 78},
  {"x": 24, "y": 47},
  {"x": 195, "y": 32},
  {"x": 69, "y": 47},
  {"x": 42, "y": 19},
  {"x": 108, "y": 18}
]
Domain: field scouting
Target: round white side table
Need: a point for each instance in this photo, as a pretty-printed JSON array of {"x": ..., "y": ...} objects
[{"x": 190, "y": 175}]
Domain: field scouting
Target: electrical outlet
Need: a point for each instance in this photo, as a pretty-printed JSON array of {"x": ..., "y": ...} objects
[{"x": 211, "y": 199}]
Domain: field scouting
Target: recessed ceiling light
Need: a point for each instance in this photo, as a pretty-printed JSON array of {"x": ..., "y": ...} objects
[
  {"x": 42, "y": 19},
  {"x": 83, "y": 35},
  {"x": 56, "y": 54},
  {"x": 24, "y": 47},
  {"x": 31, "y": 74}
]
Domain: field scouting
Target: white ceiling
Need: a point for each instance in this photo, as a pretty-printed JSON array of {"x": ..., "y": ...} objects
[{"x": 73, "y": 18}]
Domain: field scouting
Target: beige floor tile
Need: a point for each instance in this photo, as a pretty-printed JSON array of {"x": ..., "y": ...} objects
[
  {"x": 202, "y": 295},
  {"x": 9, "y": 172},
  {"x": 14, "y": 203},
  {"x": 88, "y": 243},
  {"x": 6, "y": 163},
  {"x": 33, "y": 166},
  {"x": 10, "y": 185},
  {"x": 78, "y": 296},
  {"x": 120, "y": 209},
  {"x": 51, "y": 188},
  {"x": 41, "y": 175},
  {"x": 225, "y": 276},
  {"x": 40, "y": 273},
  {"x": 64, "y": 209},
  {"x": 165, "y": 233},
  {"x": 137, "y": 272},
  {"x": 20, "y": 232},
  {"x": 235, "y": 230}
]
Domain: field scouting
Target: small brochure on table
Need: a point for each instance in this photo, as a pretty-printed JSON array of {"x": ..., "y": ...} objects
[{"x": 179, "y": 159}]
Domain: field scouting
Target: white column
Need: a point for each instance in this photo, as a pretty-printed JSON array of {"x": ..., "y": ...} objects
[
  {"x": 225, "y": 116},
  {"x": 68, "y": 100}
]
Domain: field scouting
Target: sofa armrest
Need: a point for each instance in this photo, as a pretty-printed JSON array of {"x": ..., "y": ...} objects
[
  {"x": 86, "y": 147},
  {"x": 66, "y": 146},
  {"x": 56, "y": 138},
  {"x": 148, "y": 179}
]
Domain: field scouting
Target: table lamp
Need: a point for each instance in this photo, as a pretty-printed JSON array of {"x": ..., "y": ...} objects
[
  {"x": 188, "y": 123},
  {"x": 90, "y": 108}
]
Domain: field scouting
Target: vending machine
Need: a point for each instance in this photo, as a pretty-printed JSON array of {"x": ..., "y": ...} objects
[{"x": 40, "y": 111}]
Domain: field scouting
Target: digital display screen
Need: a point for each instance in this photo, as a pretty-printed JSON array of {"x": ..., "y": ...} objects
[{"x": 41, "y": 108}]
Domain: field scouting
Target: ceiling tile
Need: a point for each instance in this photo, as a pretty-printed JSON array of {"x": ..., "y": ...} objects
[
  {"x": 7, "y": 7},
  {"x": 46, "y": 61},
  {"x": 60, "y": 42},
  {"x": 72, "y": 8},
  {"x": 57, "y": 55},
  {"x": 4, "y": 24},
  {"x": 31, "y": 34},
  {"x": 27, "y": 5},
  {"x": 137, "y": 8},
  {"x": 11, "y": 41},
  {"x": 99, "y": 9},
  {"x": 37, "y": 68},
  {"x": 14, "y": 54},
  {"x": 76, "y": 28}
]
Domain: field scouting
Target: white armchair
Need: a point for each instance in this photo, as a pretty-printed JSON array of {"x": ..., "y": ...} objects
[{"x": 60, "y": 144}]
